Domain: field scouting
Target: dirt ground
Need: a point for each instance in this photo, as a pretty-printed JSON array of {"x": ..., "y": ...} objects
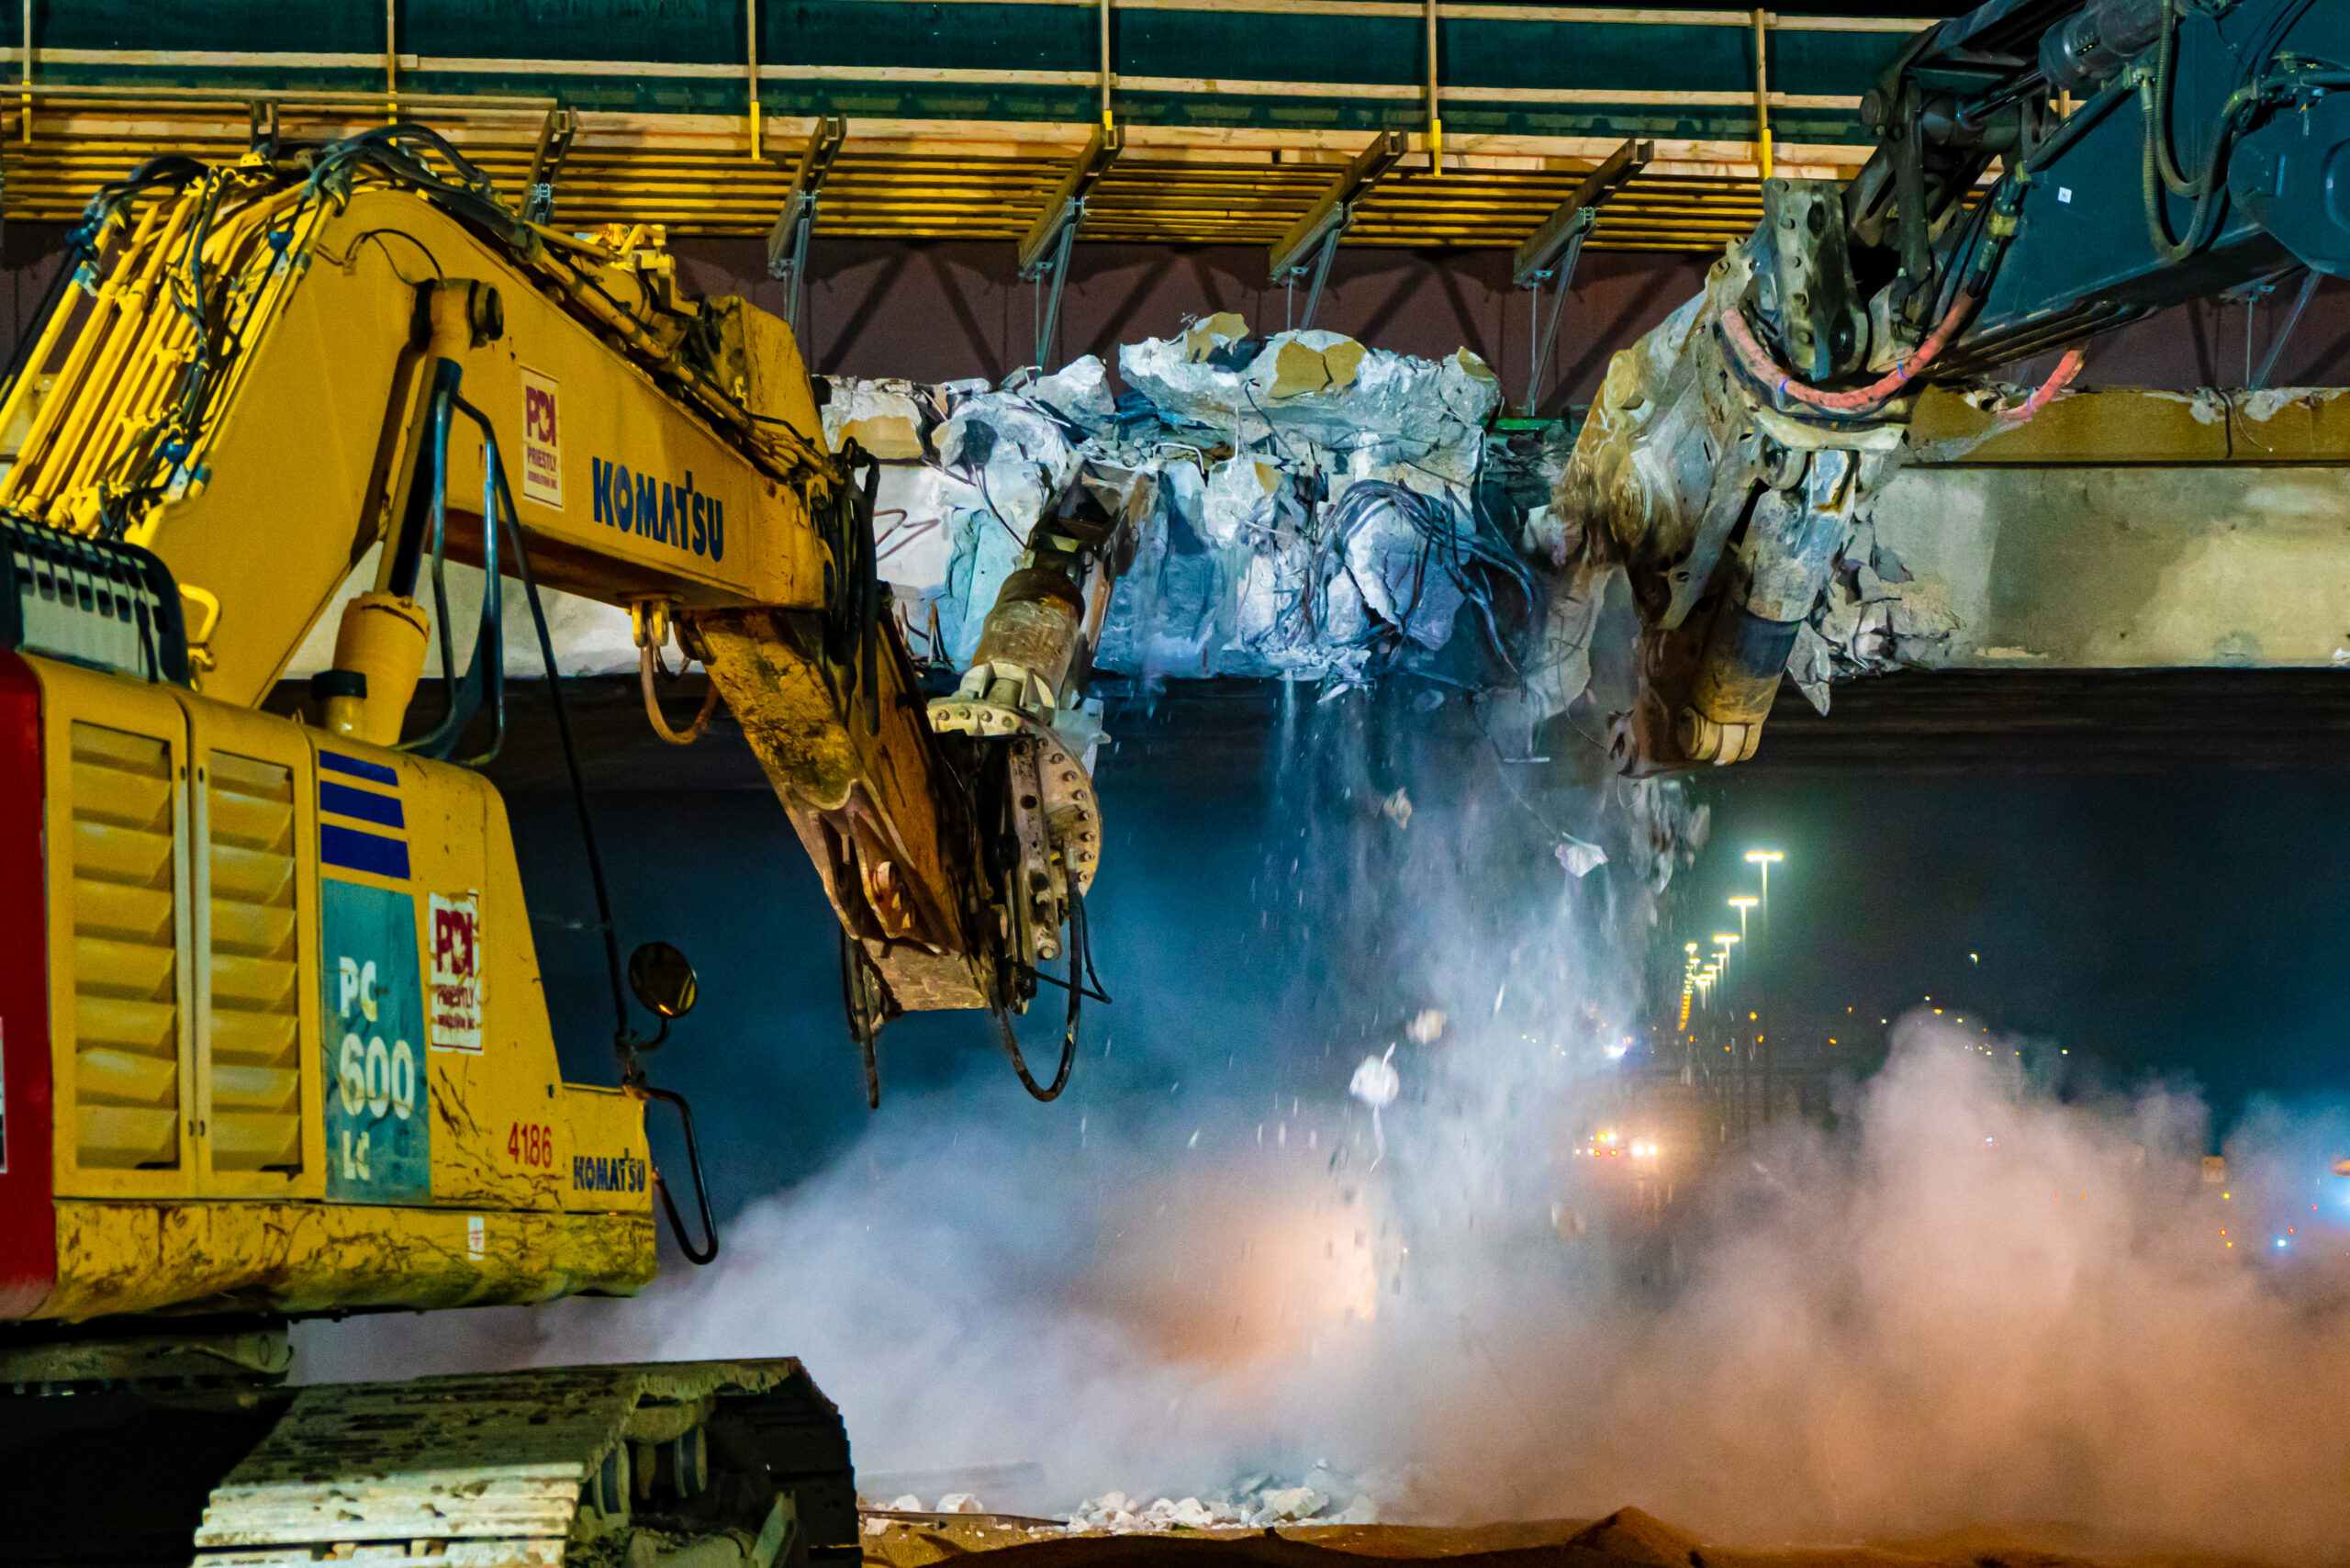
[{"x": 1627, "y": 1538}]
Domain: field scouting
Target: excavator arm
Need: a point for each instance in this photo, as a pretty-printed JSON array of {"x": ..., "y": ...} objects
[
  {"x": 265, "y": 372},
  {"x": 273, "y": 1040},
  {"x": 2047, "y": 170}
]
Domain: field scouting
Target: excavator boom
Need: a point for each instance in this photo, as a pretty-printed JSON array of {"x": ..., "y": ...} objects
[
  {"x": 273, "y": 1035},
  {"x": 242, "y": 346}
]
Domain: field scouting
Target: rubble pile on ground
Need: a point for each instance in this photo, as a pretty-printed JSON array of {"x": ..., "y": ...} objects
[
  {"x": 1322, "y": 1497},
  {"x": 1325, "y": 1496},
  {"x": 1300, "y": 506}
]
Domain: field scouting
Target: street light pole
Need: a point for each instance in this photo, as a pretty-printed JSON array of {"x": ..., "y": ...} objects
[
  {"x": 1764, "y": 859},
  {"x": 1723, "y": 943}
]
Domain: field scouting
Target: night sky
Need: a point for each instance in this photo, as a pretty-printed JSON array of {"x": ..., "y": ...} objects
[{"x": 2184, "y": 926}]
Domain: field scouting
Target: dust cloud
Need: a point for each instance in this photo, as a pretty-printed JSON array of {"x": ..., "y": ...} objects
[{"x": 1968, "y": 1301}]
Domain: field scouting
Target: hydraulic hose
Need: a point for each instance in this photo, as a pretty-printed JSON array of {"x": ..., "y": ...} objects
[
  {"x": 708, "y": 1251},
  {"x": 1080, "y": 976},
  {"x": 692, "y": 732},
  {"x": 1757, "y": 362},
  {"x": 2058, "y": 379}
]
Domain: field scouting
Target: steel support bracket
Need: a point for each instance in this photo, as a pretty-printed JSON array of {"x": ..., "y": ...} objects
[
  {"x": 1313, "y": 240},
  {"x": 1065, "y": 207},
  {"x": 547, "y": 161},
  {"x": 1571, "y": 219},
  {"x": 787, "y": 240},
  {"x": 1044, "y": 249}
]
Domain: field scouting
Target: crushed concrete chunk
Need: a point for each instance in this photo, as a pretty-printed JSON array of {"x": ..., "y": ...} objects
[{"x": 1293, "y": 1502}]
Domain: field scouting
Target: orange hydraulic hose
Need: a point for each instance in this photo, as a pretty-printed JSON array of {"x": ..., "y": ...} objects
[{"x": 1759, "y": 363}]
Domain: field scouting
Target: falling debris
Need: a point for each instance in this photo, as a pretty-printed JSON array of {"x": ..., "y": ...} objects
[
  {"x": 1376, "y": 1083},
  {"x": 1580, "y": 859},
  {"x": 1427, "y": 1027},
  {"x": 1397, "y": 808}
]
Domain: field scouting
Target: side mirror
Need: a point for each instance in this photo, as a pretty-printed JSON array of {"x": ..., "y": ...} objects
[{"x": 662, "y": 979}]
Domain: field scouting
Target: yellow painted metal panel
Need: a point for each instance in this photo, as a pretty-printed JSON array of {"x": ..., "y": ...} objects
[
  {"x": 606, "y": 1125},
  {"x": 251, "y": 876},
  {"x": 250, "y": 1140},
  {"x": 256, "y": 1080},
  {"x": 129, "y": 970},
  {"x": 253, "y": 1037},
  {"x": 112, "y": 852},
  {"x": 126, "y": 1139},
  {"x": 126, "y": 1078},
  {"x": 608, "y": 410},
  {"x": 256, "y": 1087},
  {"x": 253, "y": 985},
  {"x": 212, "y": 1068},
  {"x": 296, "y": 1257},
  {"x": 118, "y": 953},
  {"x": 144, "y": 1027},
  {"x": 115, "y": 908},
  {"x": 250, "y": 927},
  {"x": 505, "y": 1127}
]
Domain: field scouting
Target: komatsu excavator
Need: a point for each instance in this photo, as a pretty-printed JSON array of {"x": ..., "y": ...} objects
[
  {"x": 273, "y": 1041},
  {"x": 2047, "y": 170}
]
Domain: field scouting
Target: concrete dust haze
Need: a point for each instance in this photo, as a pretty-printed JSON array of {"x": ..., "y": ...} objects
[{"x": 1968, "y": 1303}]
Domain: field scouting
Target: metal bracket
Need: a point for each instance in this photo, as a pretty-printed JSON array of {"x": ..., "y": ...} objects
[
  {"x": 1044, "y": 249},
  {"x": 2284, "y": 334},
  {"x": 1541, "y": 248},
  {"x": 1551, "y": 251},
  {"x": 1313, "y": 238},
  {"x": 547, "y": 161},
  {"x": 1068, "y": 201},
  {"x": 262, "y": 115},
  {"x": 1047, "y": 321},
  {"x": 787, "y": 240},
  {"x": 1544, "y": 335}
]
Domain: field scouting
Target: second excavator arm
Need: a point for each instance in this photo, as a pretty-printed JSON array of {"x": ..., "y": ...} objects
[{"x": 2047, "y": 170}]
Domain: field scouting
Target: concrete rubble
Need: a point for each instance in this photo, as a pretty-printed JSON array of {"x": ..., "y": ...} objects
[
  {"x": 1302, "y": 506},
  {"x": 1325, "y": 1496},
  {"x": 1322, "y": 1497}
]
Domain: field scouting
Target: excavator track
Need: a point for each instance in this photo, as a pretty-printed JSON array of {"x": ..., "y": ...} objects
[{"x": 694, "y": 1464}]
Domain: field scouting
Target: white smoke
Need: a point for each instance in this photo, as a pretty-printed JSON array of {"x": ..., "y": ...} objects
[{"x": 1970, "y": 1302}]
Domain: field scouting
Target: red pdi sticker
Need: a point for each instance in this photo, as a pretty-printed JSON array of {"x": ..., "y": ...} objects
[
  {"x": 542, "y": 442},
  {"x": 453, "y": 995}
]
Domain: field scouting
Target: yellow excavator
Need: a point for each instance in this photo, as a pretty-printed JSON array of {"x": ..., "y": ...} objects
[{"x": 273, "y": 1040}]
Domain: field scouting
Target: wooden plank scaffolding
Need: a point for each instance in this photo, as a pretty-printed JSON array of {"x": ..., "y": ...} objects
[{"x": 710, "y": 147}]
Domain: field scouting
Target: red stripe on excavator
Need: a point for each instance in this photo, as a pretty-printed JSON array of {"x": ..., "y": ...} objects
[{"x": 27, "y": 1209}]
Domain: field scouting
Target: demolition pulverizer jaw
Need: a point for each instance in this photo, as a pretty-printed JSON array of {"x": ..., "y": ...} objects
[{"x": 1039, "y": 891}]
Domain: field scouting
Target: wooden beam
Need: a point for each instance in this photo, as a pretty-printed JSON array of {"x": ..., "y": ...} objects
[
  {"x": 1542, "y": 247},
  {"x": 1101, "y": 150},
  {"x": 1294, "y": 251}
]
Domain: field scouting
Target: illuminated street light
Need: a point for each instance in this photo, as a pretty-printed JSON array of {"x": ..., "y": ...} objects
[
  {"x": 1766, "y": 859},
  {"x": 1742, "y": 905}
]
